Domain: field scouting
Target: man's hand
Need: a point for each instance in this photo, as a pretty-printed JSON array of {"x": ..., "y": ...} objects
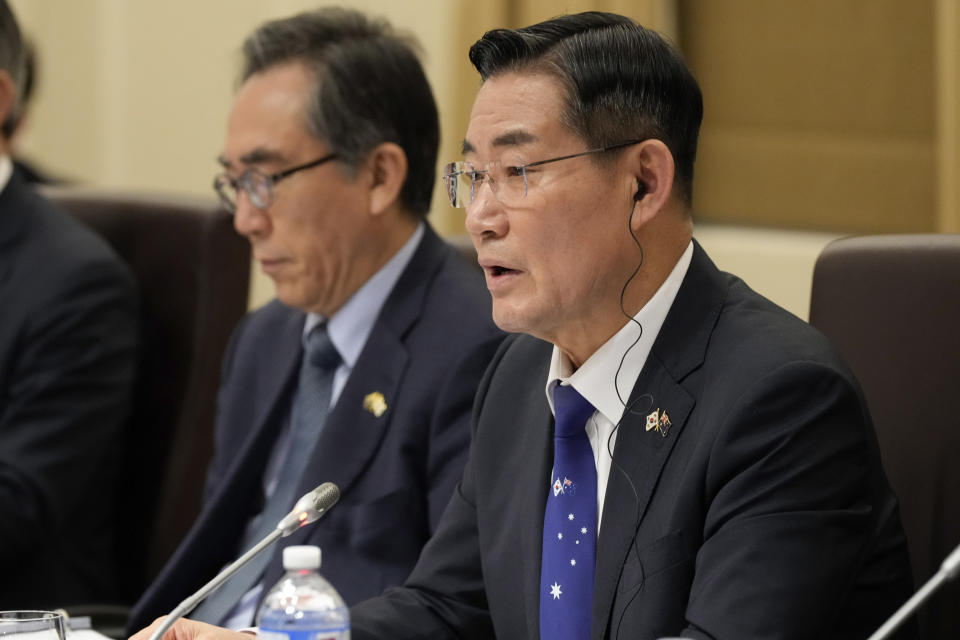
[{"x": 184, "y": 629}]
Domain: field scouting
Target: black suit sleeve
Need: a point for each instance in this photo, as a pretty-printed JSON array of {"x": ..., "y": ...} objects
[
  {"x": 789, "y": 517},
  {"x": 444, "y": 596},
  {"x": 219, "y": 463},
  {"x": 449, "y": 438},
  {"x": 65, "y": 406}
]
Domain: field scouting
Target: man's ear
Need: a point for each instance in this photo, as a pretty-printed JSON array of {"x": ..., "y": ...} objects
[
  {"x": 8, "y": 95},
  {"x": 651, "y": 169},
  {"x": 388, "y": 169}
]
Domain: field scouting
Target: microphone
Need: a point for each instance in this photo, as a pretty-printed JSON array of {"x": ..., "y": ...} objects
[
  {"x": 310, "y": 508},
  {"x": 948, "y": 571}
]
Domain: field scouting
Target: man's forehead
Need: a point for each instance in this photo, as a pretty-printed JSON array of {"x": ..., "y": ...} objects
[
  {"x": 267, "y": 121},
  {"x": 513, "y": 110},
  {"x": 511, "y": 138}
]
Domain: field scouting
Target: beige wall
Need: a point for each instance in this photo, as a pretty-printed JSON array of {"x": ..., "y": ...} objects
[
  {"x": 819, "y": 114},
  {"x": 135, "y": 95}
]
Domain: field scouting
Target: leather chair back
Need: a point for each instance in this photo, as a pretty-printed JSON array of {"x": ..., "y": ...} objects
[
  {"x": 193, "y": 274},
  {"x": 891, "y": 305}
]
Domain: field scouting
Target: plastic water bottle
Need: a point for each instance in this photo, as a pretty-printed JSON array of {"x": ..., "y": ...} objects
[{"x": 303, "y": 605}]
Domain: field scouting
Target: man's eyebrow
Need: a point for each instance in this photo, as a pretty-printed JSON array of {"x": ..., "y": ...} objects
[
  {"x": 514, "y": 138},
  {"x": 257, "y": 156},
  {"x": 508, "y": 139}
]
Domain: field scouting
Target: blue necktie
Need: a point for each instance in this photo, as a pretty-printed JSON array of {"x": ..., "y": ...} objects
[
  {"x": 310, "y": 409},
  {"x": 569, "y": 524}
]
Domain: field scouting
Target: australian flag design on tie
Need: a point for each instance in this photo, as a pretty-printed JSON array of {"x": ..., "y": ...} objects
[{"x": 569, "y": 525}]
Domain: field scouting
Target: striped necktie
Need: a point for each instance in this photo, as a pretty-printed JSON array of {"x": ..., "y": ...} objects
[{"x": 310, "y": 408}]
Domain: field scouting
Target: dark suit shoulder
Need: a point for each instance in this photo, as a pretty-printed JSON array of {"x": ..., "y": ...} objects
[
  {"x": 56, "y": 230},
  {"x": 55, "y": 248},
  {"x": 758, "y": 336},
  {"x": 717, "y": 322}
]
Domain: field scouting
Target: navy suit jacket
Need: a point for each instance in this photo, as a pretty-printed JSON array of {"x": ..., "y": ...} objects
[
  {"x": 762, "y": 512},
  {"x": 68, "y": 347},
  {"x": 426, "y": 355}
]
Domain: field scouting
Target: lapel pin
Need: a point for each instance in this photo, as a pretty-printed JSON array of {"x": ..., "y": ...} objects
[
  {"x": 375, "y": 403},
  {"x": 653, "y": 420},
  {"x": 664, "y": 424}
]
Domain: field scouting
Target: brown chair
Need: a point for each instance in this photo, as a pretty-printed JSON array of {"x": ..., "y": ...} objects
[
  {"x": 891, "y": 305},
  {"x": 193, "y": 275}
]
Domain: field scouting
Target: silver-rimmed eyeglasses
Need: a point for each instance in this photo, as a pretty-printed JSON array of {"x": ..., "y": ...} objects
[
  {"x": 256, "y": 184},
  {"x": 509, "y": 183}
]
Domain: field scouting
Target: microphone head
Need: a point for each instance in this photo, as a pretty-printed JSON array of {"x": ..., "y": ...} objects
[{"x": 310, "y": 508}]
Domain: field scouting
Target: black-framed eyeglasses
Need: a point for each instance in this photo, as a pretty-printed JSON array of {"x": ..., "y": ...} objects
[
  {"x": 508, "y": 183},
  {"x": 256, "y": 184}
]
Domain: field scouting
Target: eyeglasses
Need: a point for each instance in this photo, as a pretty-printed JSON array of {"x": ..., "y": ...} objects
[
  {"x": 256, "y": 184},
  {"x": 508, "y": 183}
]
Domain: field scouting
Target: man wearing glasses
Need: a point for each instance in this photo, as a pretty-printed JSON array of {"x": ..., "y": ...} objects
[
  {"x": 363, "y": 371},
  {"x": 665, "y": 453},
  {"x": 674, "y": 455}
]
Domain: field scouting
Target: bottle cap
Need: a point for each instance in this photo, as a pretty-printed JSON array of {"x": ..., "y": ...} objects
[{"x": 298, "y": 557}]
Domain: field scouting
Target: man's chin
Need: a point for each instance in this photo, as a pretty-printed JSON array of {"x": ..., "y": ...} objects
[{"x": 512, "y": 320}]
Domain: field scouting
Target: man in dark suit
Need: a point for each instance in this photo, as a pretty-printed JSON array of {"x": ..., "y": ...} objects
[
  {"x": 739, "y": 490},
  {"x": 666, "y": 453},
  {"x": 329, "y": 166},
  {"x": 68, "y": 337}
]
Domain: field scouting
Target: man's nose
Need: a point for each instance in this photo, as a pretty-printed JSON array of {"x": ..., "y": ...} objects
[
  {"x": 485, "y": 215},
  {"x": 248, "y": 219}
]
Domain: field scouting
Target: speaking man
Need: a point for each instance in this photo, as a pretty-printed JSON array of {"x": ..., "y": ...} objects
[
  {"x": 363, "y": 370},
  {"x": 665, "y": 452}
]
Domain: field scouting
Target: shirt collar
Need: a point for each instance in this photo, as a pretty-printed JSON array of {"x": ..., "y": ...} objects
[
  {"x": 594, "y": 379},
  {"x": 351, "y": 325},
  {"x": 6, "y": 170}
]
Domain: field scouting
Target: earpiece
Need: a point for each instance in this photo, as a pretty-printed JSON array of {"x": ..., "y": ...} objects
[{"x": 641, "y": 191}]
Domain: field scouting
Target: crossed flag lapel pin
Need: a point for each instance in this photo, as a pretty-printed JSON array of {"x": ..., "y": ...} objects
[{"x": 659, "y": 421}]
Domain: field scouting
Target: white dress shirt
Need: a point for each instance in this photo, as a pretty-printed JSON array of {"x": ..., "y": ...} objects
[{"x": 594, "y": 380}]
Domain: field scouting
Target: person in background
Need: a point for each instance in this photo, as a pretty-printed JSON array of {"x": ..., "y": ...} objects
[
  {"x": 68, "y": 355},
  {"x": 363, "y": 370}
]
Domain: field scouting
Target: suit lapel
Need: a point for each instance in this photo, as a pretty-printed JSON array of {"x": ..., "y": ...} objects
[
  {"x": 641, "y": 454},
  {"x": 274, "y": 377},
  {"x": 532, "y": 486},
  {"x": 353, "y": 433},
  {"x": 638, "y": 460},
  {"x": 363, "y": 413}
]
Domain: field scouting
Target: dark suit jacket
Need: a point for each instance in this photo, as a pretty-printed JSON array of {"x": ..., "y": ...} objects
[
  {"x": 68, "y": 325},
  {"x": 762, "y": 513},
  {"x": 426, "y": 354}
]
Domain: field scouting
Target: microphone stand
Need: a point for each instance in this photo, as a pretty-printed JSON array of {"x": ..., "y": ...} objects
[
  {"x": 308, "y": 509},
  {"x": 948, "y": 571}
]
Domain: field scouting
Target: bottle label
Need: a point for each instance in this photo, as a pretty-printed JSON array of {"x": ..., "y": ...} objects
[{"x": 340, "y": 633}]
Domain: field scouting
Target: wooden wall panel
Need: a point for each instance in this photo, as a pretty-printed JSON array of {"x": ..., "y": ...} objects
[
  {"x": 818, "y": 115},
  {"x": 948, "y": 115}
]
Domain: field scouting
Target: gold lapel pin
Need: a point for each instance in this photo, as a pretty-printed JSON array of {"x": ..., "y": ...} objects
[
  {"x": 653, "y": 420},
  {"x": 375, "y": 403}
]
